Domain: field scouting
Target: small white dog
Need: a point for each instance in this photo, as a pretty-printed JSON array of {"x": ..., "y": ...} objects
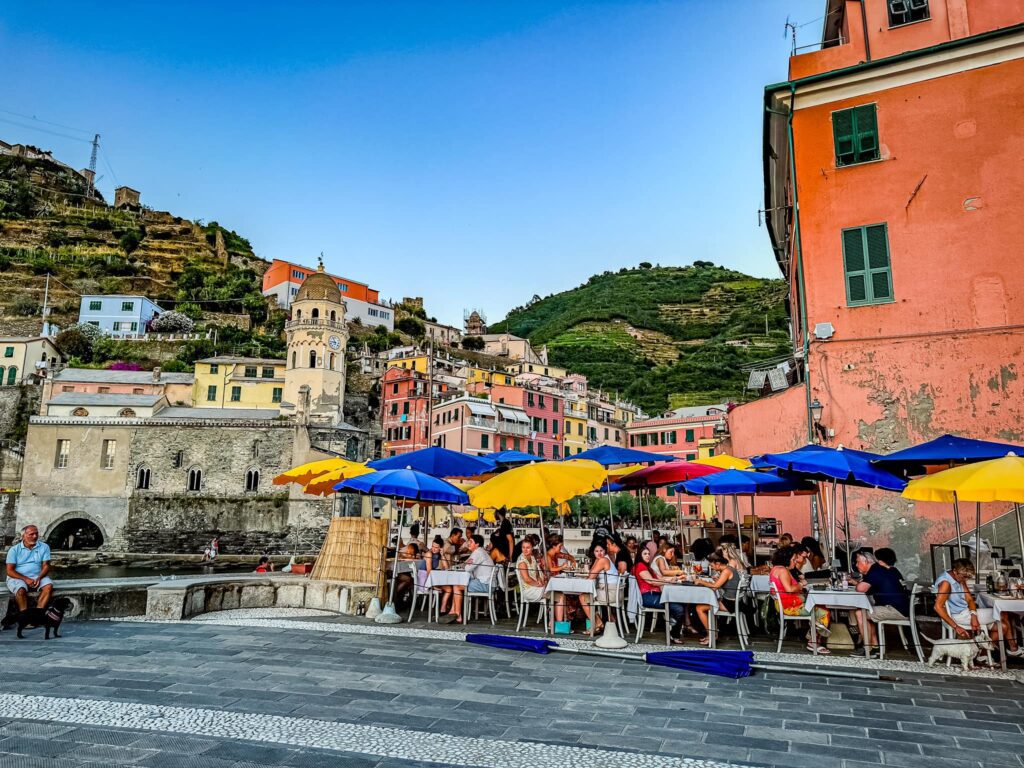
[{"x": 964, "y": 650}]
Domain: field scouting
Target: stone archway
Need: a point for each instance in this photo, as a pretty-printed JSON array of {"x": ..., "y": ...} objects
[{"x": 75, "y": 531}]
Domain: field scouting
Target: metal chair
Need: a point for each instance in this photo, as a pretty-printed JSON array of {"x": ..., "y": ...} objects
[
  {"x": 614, "y": 600},
  {"x": 427, "y": 597},
  {"x": 523, "y": 606},
  {"x": 497, "y": 583},
  {"x": 642, "y": 612},
  {"x": 911, "y": 622}
]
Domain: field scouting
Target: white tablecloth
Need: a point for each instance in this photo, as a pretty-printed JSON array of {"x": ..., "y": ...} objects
[
  {"x": 760, "y": 583},
  {"x": 1008, "y": 604},
  {"x": 447, "y": 578},
  {"x": 689, "y": 593},
  {"x": 828, "y": 598},
  {"x": 570, "y": 585}
]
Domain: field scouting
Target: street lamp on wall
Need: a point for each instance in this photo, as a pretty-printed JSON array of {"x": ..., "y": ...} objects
[{"x": 816, "y": 409}]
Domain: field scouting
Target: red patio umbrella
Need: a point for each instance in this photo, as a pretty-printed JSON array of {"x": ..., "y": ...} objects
[{"x": 669, "y": 473}]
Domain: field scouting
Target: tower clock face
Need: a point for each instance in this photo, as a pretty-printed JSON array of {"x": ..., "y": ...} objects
[{"x": 334, "y": 342}]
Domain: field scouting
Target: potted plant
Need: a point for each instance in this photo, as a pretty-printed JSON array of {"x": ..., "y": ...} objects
[{"x": 303, "y": 565}]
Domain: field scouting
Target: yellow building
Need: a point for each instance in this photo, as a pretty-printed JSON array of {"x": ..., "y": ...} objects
[
  {"x": 21, "y": 357},
  {"x": 475, "y": 375},
  {"x": 410, "y": 363},
  {"x": 540, "y": 369},
  {"x": 574, "y": 439},
  {"x": 239, "y": 382}
]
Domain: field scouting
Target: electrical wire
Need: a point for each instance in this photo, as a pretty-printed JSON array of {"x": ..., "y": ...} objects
[
  {"x": 45, "y": 130},
  {"x": 47, "y": 122}
]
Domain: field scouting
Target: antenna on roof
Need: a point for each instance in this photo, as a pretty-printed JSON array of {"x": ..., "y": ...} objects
[
  {"x": 790, "y": 30},
  {"x": 320, "y": 262}
]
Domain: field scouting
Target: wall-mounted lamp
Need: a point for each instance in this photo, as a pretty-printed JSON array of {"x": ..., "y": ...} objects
[{"x": 816, "y": 409}]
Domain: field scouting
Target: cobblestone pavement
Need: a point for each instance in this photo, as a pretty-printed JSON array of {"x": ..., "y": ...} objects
[{"x": 215, "y": 696}]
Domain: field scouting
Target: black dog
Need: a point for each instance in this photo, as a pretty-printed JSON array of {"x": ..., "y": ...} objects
[
  {"x": 11, "y": 618},
  {"x": 49, "y": 617}
]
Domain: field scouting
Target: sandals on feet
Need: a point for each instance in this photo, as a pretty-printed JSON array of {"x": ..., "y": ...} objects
[{"x": 820, "y": 650}]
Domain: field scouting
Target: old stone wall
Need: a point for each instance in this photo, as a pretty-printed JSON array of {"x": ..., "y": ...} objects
[
  {"x": 182, "y": 524},
  {"x": 8, "y": 510},
  {"x": 16, "y": 405}
]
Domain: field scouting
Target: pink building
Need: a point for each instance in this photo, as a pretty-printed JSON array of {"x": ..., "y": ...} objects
[
  {"x": 175, "y": 387},
  {"x": 474, "y": 425},
  {"x": 544, "y": 411}
]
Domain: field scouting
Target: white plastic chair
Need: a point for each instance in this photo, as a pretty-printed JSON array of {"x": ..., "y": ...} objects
[
  {"x": 427, "y": 598},
  {"x": 615, "y": 601},
  {"x": 910, "y": 622},
  {"x": 737, "y": 615},
  {"x": 642, "y": 612},
  {"x": 524, "y": 610},
  {"x": 497, "y": 583},
  {"x": 783, "y": 618}
]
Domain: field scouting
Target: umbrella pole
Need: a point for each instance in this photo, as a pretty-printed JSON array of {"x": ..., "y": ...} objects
[
  {"x": 611, "y": 515},
  {"x": 394, "y": 570},
  {"x": 977, "y": 543},
  {"x": 833, "y": 539},
  {"x": 753, "y": 531},
  {"x": 739, "y": 527},
  {"x": 846, "y": 531},
  {"x": 679, "y": 520},
  {"x": 1020, "y": 530},
  {"x": 956, "y": 521}
]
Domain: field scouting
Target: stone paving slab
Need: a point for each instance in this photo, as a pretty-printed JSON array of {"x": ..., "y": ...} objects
[{"x": 430, "y": 692}]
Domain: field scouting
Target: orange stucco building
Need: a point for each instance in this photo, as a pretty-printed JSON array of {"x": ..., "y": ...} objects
[{"x": 894, "y": 174}]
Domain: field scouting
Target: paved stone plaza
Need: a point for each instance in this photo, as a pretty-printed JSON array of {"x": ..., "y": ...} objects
[{"x": 215, "y": 696}]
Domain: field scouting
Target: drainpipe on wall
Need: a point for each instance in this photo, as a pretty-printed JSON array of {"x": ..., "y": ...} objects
[{"x": 864, "y": 26}]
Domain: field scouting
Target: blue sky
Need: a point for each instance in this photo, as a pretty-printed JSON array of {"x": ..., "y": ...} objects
[{"x": 473, "y": 153}]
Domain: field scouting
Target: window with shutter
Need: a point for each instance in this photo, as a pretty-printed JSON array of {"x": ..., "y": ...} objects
[
  {"x": 866, "y": 265},
  {"x": 855, "y": 133}
]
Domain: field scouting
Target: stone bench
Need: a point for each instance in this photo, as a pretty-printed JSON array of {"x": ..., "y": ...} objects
[
  {"x": 184, "y": 598},
  {"x": 98, "y": 598}
]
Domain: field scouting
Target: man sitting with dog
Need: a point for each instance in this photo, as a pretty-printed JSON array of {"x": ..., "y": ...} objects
[
  {"x": 28, "y": 563},
  {"x": 956, "y": 606}
]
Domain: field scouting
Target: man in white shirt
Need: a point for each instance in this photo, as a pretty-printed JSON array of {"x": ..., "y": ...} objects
[
  {"x": 28, "y": 563},
  {"x": 480, "y": 567}
]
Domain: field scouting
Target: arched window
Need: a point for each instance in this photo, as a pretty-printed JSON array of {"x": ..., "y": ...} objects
[
  {"x": 334, "y": 316},
  {"x": 331, "y": 366},
  {"x": 315, "y": 313},
  {"x": 252, "y": 481},
  {"x": 142, "y": 478},
  {"x": 79, "y": 412},
  {"x": 293, "y": 359},
  {"x": 298, "y": 314},
  {"x": 12, "y": 375},
  {"x": 312, "y": 358},
  {"x": 255, "y": 449},
  {"x": 195, "y": 480},
  {"x": 1, "y": 374},
  {"x": 126, "y": 413}
]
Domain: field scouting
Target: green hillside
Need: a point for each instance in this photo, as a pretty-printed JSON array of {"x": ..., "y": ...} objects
[{"x": 660, "y": 336}]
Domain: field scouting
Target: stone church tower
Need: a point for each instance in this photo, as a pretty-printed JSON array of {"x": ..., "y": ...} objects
[{"x": 317, "y": 337}]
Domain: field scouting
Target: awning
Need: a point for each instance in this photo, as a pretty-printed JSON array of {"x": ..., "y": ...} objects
[
  {"x": 510, "y": 414},
  {"x": 481, "y": 409}
]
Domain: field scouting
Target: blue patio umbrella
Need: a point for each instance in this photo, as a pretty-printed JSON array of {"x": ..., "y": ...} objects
[
  {"x": 409, "y": 485},
  {"x": 840, "y": 466},
  {"x": 610, "y": 455},
  {"x": 731, "y": 664},
  {"x": 513, "y": 458},
  {"x": 743, "y": 482},
  {"x": 951, "y": 451},
  {"x": 436, "y": 461}
]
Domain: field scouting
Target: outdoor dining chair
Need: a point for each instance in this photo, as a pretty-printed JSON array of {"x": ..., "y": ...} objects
[
  {"x": 783, "y": 618},
  {"x": 426, "y": 597},
  {"x": 641, "y": 612},
  {"x": 614, "y": 600},
  {"x": 737, "y": 615},
  {"x": 491, "y": 596},
  {"x": 523, "y": 606},
  {"x": 910, "y": 622}
]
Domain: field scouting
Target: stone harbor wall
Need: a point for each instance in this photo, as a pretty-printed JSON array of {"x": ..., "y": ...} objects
[{"x": 8, "y": 511}]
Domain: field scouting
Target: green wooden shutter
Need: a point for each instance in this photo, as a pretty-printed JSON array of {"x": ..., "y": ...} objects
[
  {"x": 866, "y": 126},
  {"x": 877, "y": 240},
  {"x": 843, "y": 134},
  {"x": 853, "y": 261}
]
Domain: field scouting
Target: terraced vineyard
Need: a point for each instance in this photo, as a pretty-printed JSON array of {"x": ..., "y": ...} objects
[{"x": 664, "y": 336}]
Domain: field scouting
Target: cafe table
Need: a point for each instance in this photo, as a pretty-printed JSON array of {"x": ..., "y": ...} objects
[
  {"x": 567, "y": 585},
  {"x": 446, "y": 578},
  {"x": 999, "y": 604},
  {"x": 692, "y": 594},
  {"x": 849, "y": 599}
]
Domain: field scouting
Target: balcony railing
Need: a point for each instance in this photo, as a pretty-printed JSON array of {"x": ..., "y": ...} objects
[
  {"x": 480, "y": 421},
  {"x": 316, "y": 322},
  {"x": 513, "y": 428}
]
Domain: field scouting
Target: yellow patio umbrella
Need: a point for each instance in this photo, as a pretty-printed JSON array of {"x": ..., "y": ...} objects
[
  {"x": 473, "y": 515},
  {"x": 993, "y": 480},
  {"x": 539, "y": 485},
  {"x": 724, "y": 461},
  {"x": 303, "y": 473},
  {"x": 322, "y": 485}
]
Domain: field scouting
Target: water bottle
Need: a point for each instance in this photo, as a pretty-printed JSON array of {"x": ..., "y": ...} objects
[{"x": 846, "y": 581}]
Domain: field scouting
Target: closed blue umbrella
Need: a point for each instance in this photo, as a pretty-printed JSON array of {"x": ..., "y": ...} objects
[
  {"x": 405, "y": 484},
  {"x": 436, "y": 461},
  {"x": 731, "y": 664},
  {"x": 843, "y": 466}
]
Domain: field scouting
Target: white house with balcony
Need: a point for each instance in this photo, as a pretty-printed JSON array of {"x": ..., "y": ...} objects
[{"x": 118, "y": 315}]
